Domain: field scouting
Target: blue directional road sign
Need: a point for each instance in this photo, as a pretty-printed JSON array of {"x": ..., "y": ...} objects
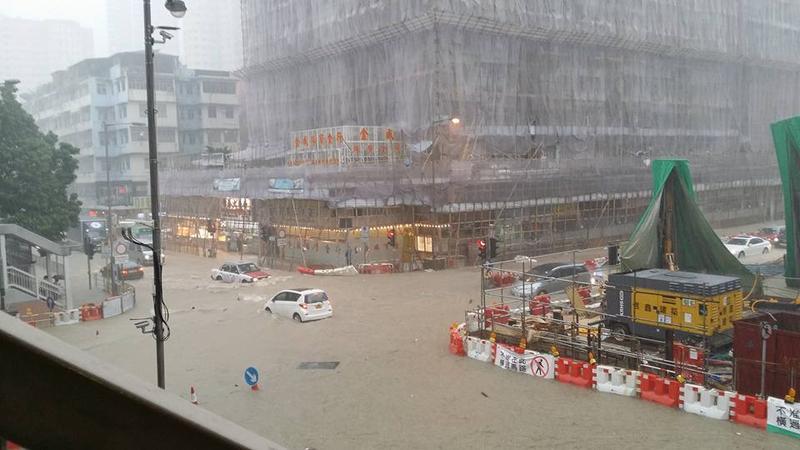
[{"x": 251, "y": 376}]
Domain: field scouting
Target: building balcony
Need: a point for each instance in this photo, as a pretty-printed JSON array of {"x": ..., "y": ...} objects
[
  {"x": 219, "y": 99},
  {"x": 124, "y": 176},
  {"x": 220, "y": 123},
  {"x": 140, "y": 95},
  {"x": 85, "y": 178},
  {"x": 134, "y": 147}
]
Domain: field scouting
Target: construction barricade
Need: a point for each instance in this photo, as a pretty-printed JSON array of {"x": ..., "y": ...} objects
[
  {"x": 112, "y": 306},
  {"x": 496, "y": 313},
  {"x": 539, "y": 305},
  {"x": 457, "y": 341},
  {"x": 501, "y": 279},
  {"x": 37, "y": 320},
  {"x": 750, "y": 410},
  {"x": 782, "y": 417},
  {"x": 711, "y": 403},
  {"x": 480, "y": 349},
  {"x": 574, "y": 372},
  {"x": 659, "y": 390},
  {"x": 68, "y": 317},
  {"x": 90, "y": 311},
  {"x": 540, "y": 365},
  {"x": 543, "y": 365},
  {"x": 613, "y": 380},
  {"x": 375, "y": 268}
]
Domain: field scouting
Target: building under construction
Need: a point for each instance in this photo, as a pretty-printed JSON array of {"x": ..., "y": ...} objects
[{"x": 560, "y": 108}]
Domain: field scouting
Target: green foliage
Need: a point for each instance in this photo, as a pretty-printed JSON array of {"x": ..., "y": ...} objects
[{"x": 35, "y": 170}]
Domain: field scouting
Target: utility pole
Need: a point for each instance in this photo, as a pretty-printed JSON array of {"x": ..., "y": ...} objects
[
  {"x": 158, "y": 295},
  {"x": 177, "y": 8},
  {"x": 112, "y": 273}
]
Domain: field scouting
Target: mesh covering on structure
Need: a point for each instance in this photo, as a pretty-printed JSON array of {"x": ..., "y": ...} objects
[
  {"x": 787, "y": 148},
  {"x": 588, "y": 78},
  {"x": 562, "y": 106},
  {"x": 692, "y": 241}
]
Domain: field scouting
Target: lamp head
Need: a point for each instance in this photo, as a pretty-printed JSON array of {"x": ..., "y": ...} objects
[{"x": 176, "y": 7}]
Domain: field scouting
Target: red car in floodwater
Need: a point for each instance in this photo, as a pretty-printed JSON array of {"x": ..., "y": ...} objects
[{"x": 771, "y": 234}]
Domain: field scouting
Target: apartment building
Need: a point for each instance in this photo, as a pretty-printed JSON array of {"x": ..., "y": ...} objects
[{"x": 105, "y": 100}]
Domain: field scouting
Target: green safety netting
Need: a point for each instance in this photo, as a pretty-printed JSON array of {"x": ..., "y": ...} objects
[
  {"x": 696, "y": 246},
  {"x": 786, "y": 135}
]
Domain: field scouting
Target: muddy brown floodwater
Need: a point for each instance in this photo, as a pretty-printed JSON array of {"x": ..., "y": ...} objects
[{"x": 396, "y": 385}]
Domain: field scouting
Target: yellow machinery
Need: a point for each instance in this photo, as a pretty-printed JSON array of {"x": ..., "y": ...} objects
[{"x": 694, "y": 303}]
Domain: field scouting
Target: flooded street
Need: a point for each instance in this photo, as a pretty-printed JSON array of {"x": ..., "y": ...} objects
[{"x": 396, "y": 385}]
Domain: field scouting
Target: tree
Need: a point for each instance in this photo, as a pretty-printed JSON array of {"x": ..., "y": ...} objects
[{"x": 35, "y": 171}]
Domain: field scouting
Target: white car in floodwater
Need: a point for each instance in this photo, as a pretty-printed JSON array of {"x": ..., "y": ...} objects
[
  {"x": 301, "y": 304},
  {"x": 741, "y": 246}
]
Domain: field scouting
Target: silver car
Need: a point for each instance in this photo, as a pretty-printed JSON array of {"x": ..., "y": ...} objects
[{"x": 550, "y": 278}]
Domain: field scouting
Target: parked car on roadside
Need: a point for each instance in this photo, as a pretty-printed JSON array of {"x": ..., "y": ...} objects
[
  {"x": 241, "y": 272},
  {"x": 741, "y": 246},
  {"x": 550, "y": 278},
  {"x": 771, "y": 234},
  {"x": 301, "y": 304}
]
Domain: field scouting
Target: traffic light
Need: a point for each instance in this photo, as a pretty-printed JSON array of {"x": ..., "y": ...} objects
[
  {"x": 211, "y": 227},
  {"x": 390, "y": 236},
  {"x": 482, "y": 248},
  {"x": 90, "y": 246},
  {"x": 264, "y": 232},
  {"x": 492, "y": 248}
]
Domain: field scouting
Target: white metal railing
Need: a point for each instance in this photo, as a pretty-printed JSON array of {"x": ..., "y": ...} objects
[
  {"x": 22, "y": 280},
  {"x": 40, "y": 289}
]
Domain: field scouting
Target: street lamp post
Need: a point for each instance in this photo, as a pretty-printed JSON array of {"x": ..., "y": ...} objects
[{"x": 177, "y": 8}]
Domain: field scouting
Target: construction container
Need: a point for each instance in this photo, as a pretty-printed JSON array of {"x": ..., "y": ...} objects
[
  {"x": 782, "y": 354},
  {"x": 692, "y": 303}
]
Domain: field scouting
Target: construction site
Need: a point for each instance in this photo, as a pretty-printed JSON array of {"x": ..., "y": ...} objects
[{"x": 450, "y": 122}]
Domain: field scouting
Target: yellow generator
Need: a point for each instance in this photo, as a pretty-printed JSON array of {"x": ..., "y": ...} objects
[{"x": 648, "y": 302}]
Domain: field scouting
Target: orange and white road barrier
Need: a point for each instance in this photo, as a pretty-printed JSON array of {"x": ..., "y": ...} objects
[
  {"x": 711, "y": 403},
  {"x": 660, "y": 390},
  {"x": 750, "y": 410},
  {"x": 480, "y": 349},
  {"x": 613, "y": 380}
]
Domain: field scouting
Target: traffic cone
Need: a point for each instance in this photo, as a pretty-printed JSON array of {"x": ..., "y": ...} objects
[
  {"x": 255, "y": 387},
  {"x": 193, "y": 395}
]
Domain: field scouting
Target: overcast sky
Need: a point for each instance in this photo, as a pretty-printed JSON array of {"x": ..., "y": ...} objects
[{"x": 89, "y": 13}]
